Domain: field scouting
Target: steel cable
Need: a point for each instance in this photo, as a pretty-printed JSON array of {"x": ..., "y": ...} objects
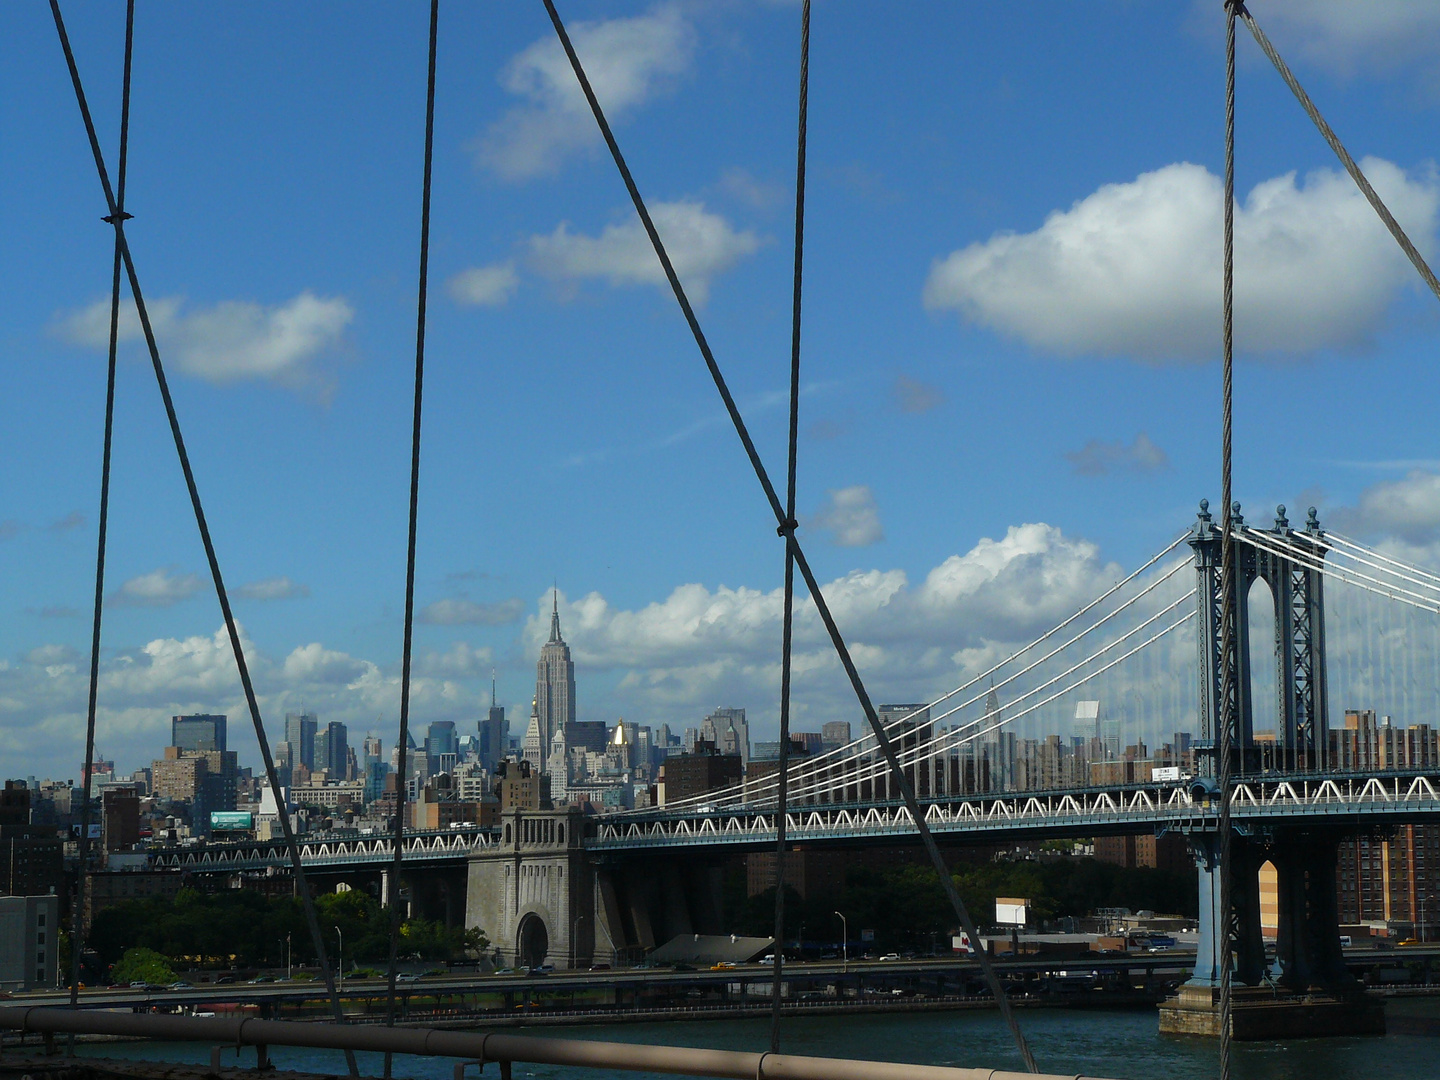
[
  {"x": 789, "y": 526},
  {"x": 400, "y": 779},
  {"x": 817, "y": 595},
  {"x": 232, "y": 628},
  {"x": 1328, "y": 133},
  {"x": 77, "y": 919},
  {"x": 1227, "y": 568}
]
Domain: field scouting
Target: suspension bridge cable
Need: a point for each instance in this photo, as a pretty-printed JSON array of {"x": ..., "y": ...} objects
[
  {"x": 1333, "y": 537},
  {"x": 77, "y": 922},
  {"x": 865, "y": 742},
  {"x": 1345, "y": 575},
  {"x": 301, "y": 882},
  {"x": 816, "y": 593},
  {"x": 1414, "y": 575},
  {"x": 790, "y": 525},
  {"x": 401, "y": 742},
  {"x": 1227, "y": 703},
  {"x": 1328, "y": 133},
  {"x": 911, "y": 755}
]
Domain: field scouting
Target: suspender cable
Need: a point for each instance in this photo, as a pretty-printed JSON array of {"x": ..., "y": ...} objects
[
  {"x": 1227, "y": 550},
  {"x": 77, "y": 917},
  {"x": 1340, "y": 152},
  {"x": 817, "y": 595},
  {"x": 230, "y": 625},
  {"x": 414, "y": 510},
  {"x": 789, "y": 526}
]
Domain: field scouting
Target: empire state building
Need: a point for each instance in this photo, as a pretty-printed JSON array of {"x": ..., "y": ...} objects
[{"x": 554, "y": 682}]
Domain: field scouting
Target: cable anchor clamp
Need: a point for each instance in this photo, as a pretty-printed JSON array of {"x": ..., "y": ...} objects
[
  {"x": 787, "y": 527},
  {"x": 112, "y": 219}
]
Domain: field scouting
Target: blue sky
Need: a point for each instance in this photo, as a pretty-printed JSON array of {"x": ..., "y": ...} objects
[{"x": 1011, "y": 333}]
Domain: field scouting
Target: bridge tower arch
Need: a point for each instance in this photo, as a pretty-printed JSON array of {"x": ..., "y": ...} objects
[{"x": 1297, "y": 592}]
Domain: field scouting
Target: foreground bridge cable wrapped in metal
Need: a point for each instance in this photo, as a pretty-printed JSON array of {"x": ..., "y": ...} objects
[{"x": 487, "y": 1047}]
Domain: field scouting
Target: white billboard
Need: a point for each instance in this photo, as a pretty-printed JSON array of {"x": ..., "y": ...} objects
[
  {"x": 1166, "y": 772},
  {"x": 1010, "y": 911}
]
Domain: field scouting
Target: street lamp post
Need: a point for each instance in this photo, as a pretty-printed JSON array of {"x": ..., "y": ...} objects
[
  {"x": 288, "y": 972},
  {"x": 844, "y": 944},
  {"x": 340, "y": 960}
]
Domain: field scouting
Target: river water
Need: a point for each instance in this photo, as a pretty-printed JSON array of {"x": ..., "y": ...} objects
[{"x": 1122, "y": 1045}]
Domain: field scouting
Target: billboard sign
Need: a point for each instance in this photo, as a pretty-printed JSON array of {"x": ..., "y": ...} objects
[
  {"x": 1010, "y": 911},
  {"x": 230, "y": 820},
  {"x": 1166, "y": 772}
]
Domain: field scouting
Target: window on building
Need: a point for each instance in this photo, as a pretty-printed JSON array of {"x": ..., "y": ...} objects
[{"x": 40, "y": 919}]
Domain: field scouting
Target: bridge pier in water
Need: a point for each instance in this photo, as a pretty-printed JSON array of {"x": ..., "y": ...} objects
[{"x": 1306, "y": 990}]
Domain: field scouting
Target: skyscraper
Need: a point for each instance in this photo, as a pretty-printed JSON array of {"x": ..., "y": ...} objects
[
  {"x": 201, "y": 731},
  {"x": 330, "y": 750},
  {"x": 554, "y": 684},
  {"x": 300, "y": 734},
  {"x": 494, "y": 732}
]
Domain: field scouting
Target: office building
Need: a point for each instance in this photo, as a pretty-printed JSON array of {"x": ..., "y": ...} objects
[
  {"x": 554, "y": 686},
  {"x": 300, "y": 734},
  {"x": 494, "y": 732},
  {"x": 200, "y": 731},
  {"x": 29, "y": 942},
  {"x": 31, "y": 855},
  {"x": 332, "y": 750}
]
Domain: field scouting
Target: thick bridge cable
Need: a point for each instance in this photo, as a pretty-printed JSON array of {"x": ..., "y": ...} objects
[
  {"x": 230, "y": 625},
  {"x": 77, "y": 921},
  {"x": 1228, "y": 672},
  {"x": 394, "y": 897},
  {"x": 781, "y": 521},
  {"x": 789, "y": 526},
  {"x": 1328, "y": 133}
]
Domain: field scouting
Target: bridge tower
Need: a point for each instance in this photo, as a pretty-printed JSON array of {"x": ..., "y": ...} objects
[
  {"x": 1298, "y": 595},
  {"x": 1308, "y": 959}
]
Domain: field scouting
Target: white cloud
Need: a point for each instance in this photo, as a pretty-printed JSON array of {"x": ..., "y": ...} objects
[
  {"x": 701, "y": 245},
  {"x": 1096, "y": 457},
  {"x": 274, "y": 588},
  {"x": 1378, "y": 36},
  {"x": 1135, "y": 267},
  {"x": 158, "y": 588},
  {"x": 851, "y": 516},
  {"x": 485, "y": 286},
  {"x": 458, "y": 611},
  {"x": 1407, "y": 510},
  {"x": 231, "y": 340},
  {"x": 627, "y": 61},
  {"x": 460, "y": 661}
]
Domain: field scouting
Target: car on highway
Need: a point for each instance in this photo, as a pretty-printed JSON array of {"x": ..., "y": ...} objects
[
  {"x": 262, "y": 979},
  {"x": 599, "y": 967},
  {"x": 890, "y": 956},
  {"x": 181, "y": 985},
  {"x": 504, "y": 971},
  {"x": 224, "y": 980},
  {"x": 723, "y": 965},
  {"x": 408, "y": 976}
]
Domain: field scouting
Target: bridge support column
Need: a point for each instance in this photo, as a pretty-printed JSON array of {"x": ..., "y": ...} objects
[
  {"x": 1315, "y": 995},
  {"x": 1307, "y": 947}
]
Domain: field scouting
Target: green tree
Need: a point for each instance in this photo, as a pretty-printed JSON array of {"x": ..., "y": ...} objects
[{"x": 143, "y": 965}]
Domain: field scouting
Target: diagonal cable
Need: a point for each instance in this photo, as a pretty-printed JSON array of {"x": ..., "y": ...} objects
[
  {"x": 1328, "y": 133},
  {"x": 414, "y": 513},
  {"x": 816, "y": 595},
  {"x": 231, "y": 626},
  {"x": 77, "y": 919},
  {"x": 788, "y": 528}
]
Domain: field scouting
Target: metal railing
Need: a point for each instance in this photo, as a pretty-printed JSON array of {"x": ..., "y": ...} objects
[{"x": 482, "y": 1047}]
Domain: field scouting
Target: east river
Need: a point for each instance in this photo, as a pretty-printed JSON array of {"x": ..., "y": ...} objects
[{"x": 1122, "y": 1045}]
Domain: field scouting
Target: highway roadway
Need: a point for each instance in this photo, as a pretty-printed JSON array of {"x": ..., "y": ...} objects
[{"x": 567, "y": 981}]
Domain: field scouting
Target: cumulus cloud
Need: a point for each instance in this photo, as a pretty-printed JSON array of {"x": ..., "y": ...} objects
[
  {"x": 914, "y": 396},
  {"x": 158, "y": 588},
  {"x": 458, "y": 611},
  {"x": 1134, "y": 268},
  {"x": 1096, "y": 458},
  {"x": 1407, "y": 510},
  {"x": 485, "y": 286},
  {"x": 851, "y": 517},
  {"x": 461, "y": 661},
  {"x": 628, "y": 61},
  {"x": 701, "y": 645},
  {"x": 701, "y": 245},
  {"x": 273, "y": 588},
  {"x": 232, "y": 340}
]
